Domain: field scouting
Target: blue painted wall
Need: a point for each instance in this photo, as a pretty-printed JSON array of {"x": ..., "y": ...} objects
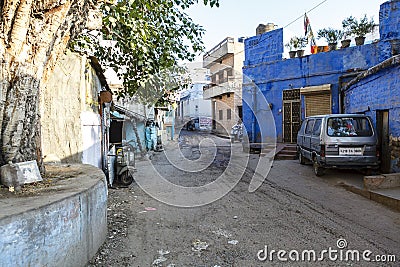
[
  {"x": 380, "y": 91},
  {"x": 131, "y": 136},
  {"x": 272, "y": 74}
]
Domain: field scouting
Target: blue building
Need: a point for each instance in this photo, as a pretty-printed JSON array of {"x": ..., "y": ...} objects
[{"x": 358, "y": 79}]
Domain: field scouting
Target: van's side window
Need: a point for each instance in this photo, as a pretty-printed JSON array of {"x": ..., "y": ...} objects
[
  {"x": 309, "y": 127},
  {"x": 317, "y": 127},
  {"x": 303, "y": 126}
]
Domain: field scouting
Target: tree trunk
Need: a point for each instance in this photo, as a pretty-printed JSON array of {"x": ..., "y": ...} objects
[{"x": 33, "y": 35}]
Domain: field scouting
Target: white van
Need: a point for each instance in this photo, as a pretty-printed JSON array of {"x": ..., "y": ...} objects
[{"x": 346, "y": 141}]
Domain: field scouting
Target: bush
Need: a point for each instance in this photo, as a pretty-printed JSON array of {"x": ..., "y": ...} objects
[
  {"x": 297, "y": 43},
  {"x": 331, "y": 35}
]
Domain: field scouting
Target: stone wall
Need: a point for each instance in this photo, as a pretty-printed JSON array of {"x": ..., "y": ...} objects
[{"x": 395, "y": 152}]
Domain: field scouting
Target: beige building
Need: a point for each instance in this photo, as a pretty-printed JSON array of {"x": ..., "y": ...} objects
[{"x": 225, "y": 62}]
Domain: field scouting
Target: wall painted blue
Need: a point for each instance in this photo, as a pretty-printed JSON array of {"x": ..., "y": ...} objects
[
  {"x": 379, "y": 91},
  {"x": 385, "y": 86},
  {"x": 271, "y": 74},
  {"x": 131, "y": 136}
]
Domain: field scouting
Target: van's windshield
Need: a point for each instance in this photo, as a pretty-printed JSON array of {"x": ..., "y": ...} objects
[{"x": 349, "y": 127}]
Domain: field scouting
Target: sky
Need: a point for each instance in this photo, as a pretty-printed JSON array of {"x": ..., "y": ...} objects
[{"x": 240, "y": 18}]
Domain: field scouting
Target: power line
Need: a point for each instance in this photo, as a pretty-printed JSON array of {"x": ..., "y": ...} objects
[
  {"x": 306, "y": 12},
  {"x": 302, "y": 16}
]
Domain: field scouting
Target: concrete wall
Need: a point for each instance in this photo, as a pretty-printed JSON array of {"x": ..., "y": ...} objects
[
  {"x": 65, "y": 228},
  {"x": 265, "y": 68},
  {"x": 69, "y": 112}
]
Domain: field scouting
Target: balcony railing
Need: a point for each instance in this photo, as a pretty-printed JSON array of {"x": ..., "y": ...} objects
[{"x": 213, "y": 90}]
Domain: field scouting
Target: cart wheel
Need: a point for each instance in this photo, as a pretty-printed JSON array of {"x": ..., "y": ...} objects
[{"x": 126, "y": 178}]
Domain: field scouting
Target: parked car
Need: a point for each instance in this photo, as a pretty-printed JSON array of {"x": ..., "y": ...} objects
[{"x": 346, "y": 141}]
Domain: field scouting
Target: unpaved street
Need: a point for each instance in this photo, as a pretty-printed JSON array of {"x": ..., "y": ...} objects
[{"x": 293, "y": 211}]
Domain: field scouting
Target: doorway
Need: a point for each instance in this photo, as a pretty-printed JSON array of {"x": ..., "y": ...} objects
[
  {"x": 291, "y": 115},
  {"x": 240, "y": 112},
  {"x": 382, "y": 125}
]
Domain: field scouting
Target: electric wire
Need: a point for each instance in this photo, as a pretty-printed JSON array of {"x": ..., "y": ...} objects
[{"x": 262, "y": 40}]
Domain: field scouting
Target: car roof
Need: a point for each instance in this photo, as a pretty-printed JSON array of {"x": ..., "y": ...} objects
[{"x": 337, "y": 116}]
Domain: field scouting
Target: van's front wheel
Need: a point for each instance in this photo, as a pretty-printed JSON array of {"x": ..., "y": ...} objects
[{"x": 318, "y": 169}]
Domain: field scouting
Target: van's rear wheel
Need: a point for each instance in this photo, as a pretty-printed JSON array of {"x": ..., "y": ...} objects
[
  {"x": 302, "y": 160},
  {"x": 318, "y": 169}
]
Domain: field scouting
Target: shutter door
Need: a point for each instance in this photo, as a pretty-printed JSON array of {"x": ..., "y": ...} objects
[{"x": 318, "y": 104}]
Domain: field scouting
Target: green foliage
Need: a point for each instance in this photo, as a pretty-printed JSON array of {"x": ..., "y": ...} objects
[
  {"x": 355, "y": 27},
  {"x": 331, "y": 35},
  {"x": 296, "y": 43},
  {"x": 148, "y": 39}
]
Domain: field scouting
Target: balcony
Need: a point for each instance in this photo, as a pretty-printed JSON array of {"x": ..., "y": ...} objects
[
  {"x": 230, "y": 86},
  {"x": 227, "y": 46}
]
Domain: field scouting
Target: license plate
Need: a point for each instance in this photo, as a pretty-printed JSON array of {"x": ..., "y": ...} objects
[{"x": 353, "y": 151}]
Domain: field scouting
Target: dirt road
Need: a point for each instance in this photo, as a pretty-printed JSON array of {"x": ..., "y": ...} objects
[{"x": 292, "y": 211}]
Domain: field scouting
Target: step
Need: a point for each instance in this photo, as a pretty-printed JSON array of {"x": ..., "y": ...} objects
[
  {"x": 289, "y": 152},
  {"x": 285, "y": 157},
  {"x": 292, "y": 148}
]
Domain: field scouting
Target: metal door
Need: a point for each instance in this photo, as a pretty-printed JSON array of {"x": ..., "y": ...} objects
[{"x": 291, "y": 115}]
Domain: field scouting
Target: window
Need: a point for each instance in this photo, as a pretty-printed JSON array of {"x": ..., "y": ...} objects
[
  {"x": 303, "y": 126},
  {"x": 221, "y": 114},
  {"x": 228, "y": 114},
  {"x": 317, "y": 127},
  {"x": 309, "y": 127},
  {"x": 228, "y": 95},
  {"x": 350, "y": 126}
]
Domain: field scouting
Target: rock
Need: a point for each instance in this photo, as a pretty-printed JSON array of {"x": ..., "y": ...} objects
[
  {"x": 10, "y": 175},
  {"x": 16, "y": 174}
]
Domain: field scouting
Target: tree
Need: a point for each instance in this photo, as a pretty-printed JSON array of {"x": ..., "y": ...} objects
[
  {"x": 33, "y": 34},
  {"x": 149, "y": 38}
]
